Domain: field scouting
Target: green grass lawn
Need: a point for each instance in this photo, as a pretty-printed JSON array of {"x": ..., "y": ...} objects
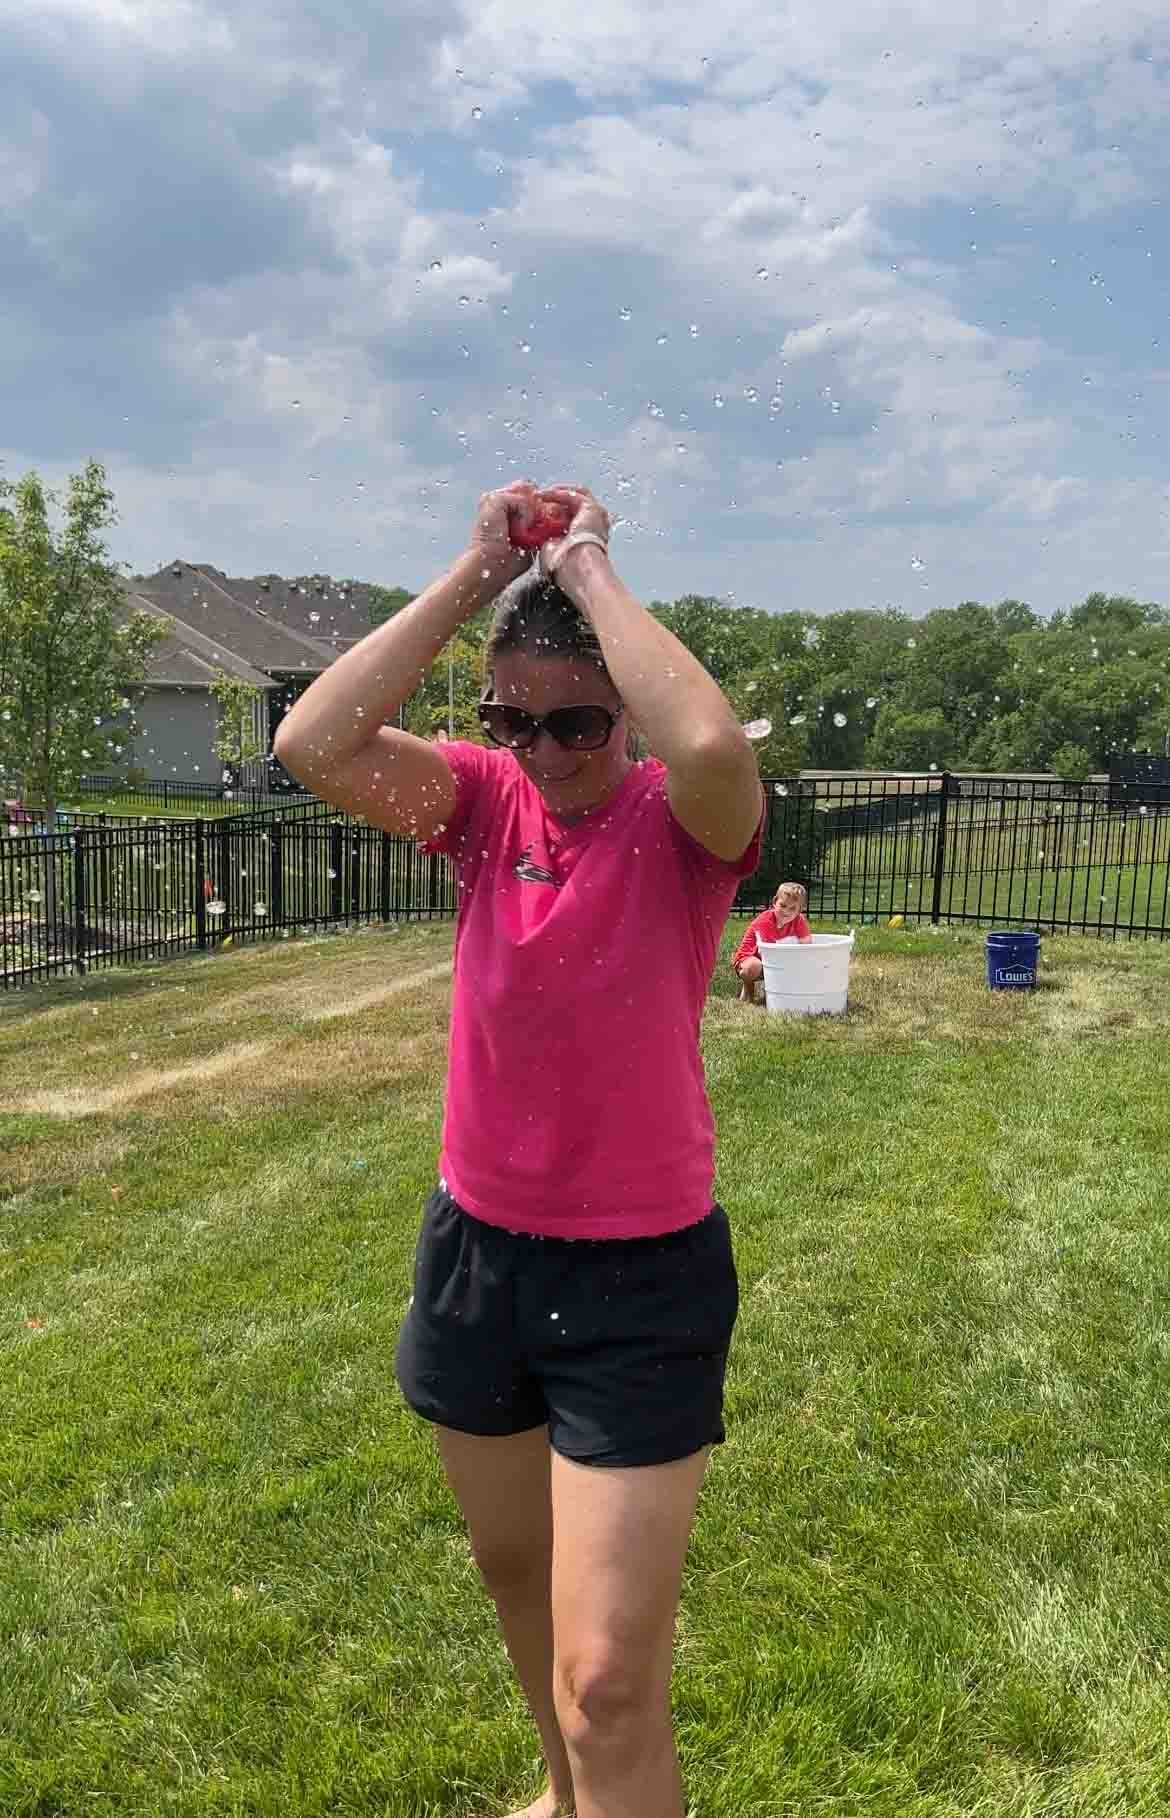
[{"x": 929, "y": 1574}]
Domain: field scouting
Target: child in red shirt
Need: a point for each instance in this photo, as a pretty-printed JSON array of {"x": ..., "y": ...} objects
[{"x": 783, "y": 921}]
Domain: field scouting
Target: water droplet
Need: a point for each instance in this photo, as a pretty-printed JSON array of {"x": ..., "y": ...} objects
[
  {"x": 871, "y": 700},
  {"x": 32, "y": 896},
  {"x": 625, "y": 312},
  {"x": 477, "y": 113},
  {"x": 464, "y": 302},
  {"x": 525, "y": 346},
  {"x": 718, "y": 400},
  {"x": 758, "y": 729},
  {"x": 917, "y": 562},
  {"x": 680, "y": 448},
  {"x": 215, "y": 907},
  {"x": 655, "y": 410},
  {"x": 750, "y": 393},
  {"x": 912, "y": 643},
  {"x": 260, "y": 910},
  {"x": 436, "y": 264},
  {"x": 662, "y": 340},
  {"x": 840, "y": 719},
  {"x": 781, "y": 789},
  {"x": 314, "y": 618},
  {"x": 694, "y": 331},
  {"x": 798, "y": 719},
  {"x": 762, "y": 274}
]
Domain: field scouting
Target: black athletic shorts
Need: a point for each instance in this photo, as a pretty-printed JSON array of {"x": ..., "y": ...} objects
[{"x": 618, "y": 1345}]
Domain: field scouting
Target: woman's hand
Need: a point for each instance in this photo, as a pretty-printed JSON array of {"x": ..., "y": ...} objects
[
  {"x": 584, "y": 513},
  {"x": 489, "y": 536}
]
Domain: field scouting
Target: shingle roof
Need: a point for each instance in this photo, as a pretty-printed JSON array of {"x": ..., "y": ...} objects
[
  {"x": 334, "y": 613},
  {"x": 202, "y": 599},
  {"x": 187, "y": 658}
]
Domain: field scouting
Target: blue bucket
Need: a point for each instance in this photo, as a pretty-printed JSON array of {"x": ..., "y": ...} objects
[{"x": 1012, "y": 960}]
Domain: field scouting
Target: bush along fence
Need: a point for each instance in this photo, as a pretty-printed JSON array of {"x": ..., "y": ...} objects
[{"x": 941, "y": 848}]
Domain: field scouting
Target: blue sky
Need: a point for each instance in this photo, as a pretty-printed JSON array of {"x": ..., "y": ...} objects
[{"x": 308, "y": 284}]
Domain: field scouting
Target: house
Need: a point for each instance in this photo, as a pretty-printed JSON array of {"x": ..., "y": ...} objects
[{"x": 275, "y": 634}]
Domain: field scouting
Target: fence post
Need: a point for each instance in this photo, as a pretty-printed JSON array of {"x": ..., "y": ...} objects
[
  {"x": 386, "y": 880},
  {"x": 356, "y": 907},
  {"x": 940, "y": 847},
  {"x": 200, "y": 899},
  {"x": 337, "y": 880},
  {"x": 78, "y": 904},
  {"x": 275, "y": 876}
]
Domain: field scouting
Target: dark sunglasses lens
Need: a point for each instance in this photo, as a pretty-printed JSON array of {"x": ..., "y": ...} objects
[
  {"x": 507, "y": 725},
  {"x": 580, "y": 728}
]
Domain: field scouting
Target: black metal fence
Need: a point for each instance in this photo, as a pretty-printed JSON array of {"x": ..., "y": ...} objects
[
  {"x": 104, "y": 896},
  {"x": 197, "y": 798},
  {"x": 943, "y": 848},
  {"x": 1139, "y": 776},
  {"x": 984, "y": 849}
]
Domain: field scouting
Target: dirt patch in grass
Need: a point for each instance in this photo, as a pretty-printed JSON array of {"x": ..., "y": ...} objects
[
  {"x": 262, "y": 1070},
  {"x": 369, "y": 1000}
]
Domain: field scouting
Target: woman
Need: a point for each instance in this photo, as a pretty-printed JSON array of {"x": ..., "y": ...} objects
[{"x": 574, "y": 1288}]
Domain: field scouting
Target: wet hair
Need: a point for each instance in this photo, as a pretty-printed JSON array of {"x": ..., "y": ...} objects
[
  {"x": 801, "y": 892},
  {"x": 534, "y": 616}
]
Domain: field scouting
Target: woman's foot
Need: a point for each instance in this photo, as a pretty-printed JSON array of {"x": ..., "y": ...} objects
[{"x": 547, "y": 1806}]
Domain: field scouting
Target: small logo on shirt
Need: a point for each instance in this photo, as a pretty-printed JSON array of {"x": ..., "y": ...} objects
[{"x": 530, "y": 873}]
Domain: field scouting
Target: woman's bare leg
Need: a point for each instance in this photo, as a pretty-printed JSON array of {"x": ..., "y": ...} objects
[{"x": 503, "y": 1487}]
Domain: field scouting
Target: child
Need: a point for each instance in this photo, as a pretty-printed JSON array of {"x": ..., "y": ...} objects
[{"x": 783, "y": 921}]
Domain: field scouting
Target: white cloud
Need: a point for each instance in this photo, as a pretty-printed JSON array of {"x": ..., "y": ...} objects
[{"x": 259, "y": 223}]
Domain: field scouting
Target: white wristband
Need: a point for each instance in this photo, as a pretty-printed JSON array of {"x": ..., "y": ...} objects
[{"x": 570, "y": 542}]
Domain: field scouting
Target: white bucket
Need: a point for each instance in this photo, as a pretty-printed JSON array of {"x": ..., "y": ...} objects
[{"x": 807, "y": 978}]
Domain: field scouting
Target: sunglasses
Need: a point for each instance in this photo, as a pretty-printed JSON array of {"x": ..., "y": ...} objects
[{"x": 584, "y": 728}]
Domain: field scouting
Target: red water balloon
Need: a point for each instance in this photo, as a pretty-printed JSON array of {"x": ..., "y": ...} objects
[{"x": 528, "y": 530}]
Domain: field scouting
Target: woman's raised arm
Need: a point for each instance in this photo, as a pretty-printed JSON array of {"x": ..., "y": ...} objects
[{"x": 334, "y": 738}]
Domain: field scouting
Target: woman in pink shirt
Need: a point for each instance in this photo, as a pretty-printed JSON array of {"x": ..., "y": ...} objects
[
  {"x": 575, "y": 1290},
  {"x": 783, "y": 921}
]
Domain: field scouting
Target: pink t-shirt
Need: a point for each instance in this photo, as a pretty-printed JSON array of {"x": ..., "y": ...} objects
[{"x": 576, "y": 1101}]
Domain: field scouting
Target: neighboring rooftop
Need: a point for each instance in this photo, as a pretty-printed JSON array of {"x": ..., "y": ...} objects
[
  {"x": 190, "y": 659},
  {"x": 278, "y": 626}
]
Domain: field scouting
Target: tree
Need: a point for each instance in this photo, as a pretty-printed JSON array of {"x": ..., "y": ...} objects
[
  {"x": 454, "y": 679},
  {"x": 72, "y": 658},
  {"x": 913, "y": 741},
  {"x": 238, "y": 741},
  {"x": 1071, "y": 763},
  {"x": 384, "y": 602}
]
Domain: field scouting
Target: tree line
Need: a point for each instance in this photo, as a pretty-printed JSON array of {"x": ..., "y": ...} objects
[{"x": 967, "y": 687}]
